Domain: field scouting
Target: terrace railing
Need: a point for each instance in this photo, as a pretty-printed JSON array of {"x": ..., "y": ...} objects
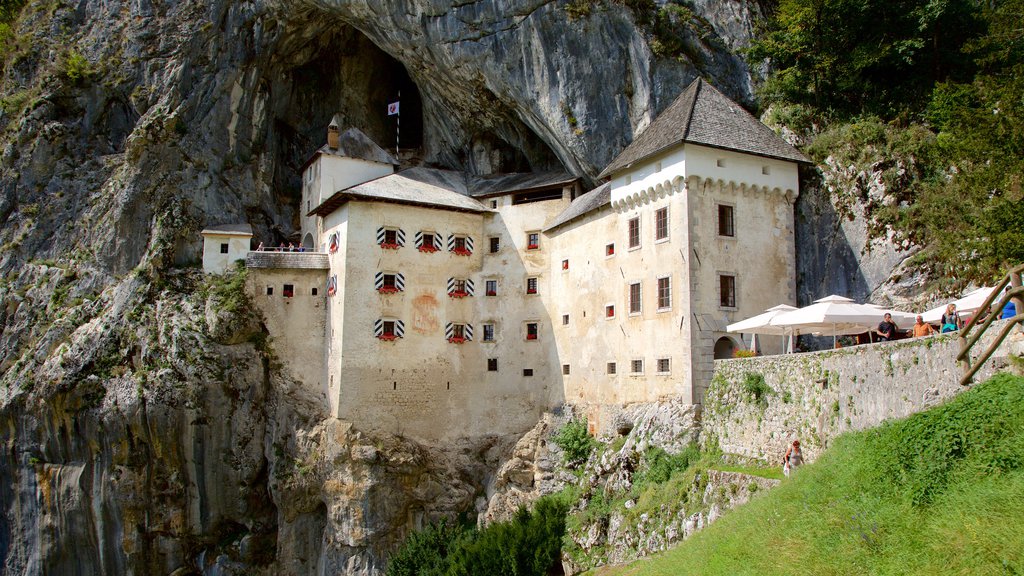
[{"x": 981, "y": 321}]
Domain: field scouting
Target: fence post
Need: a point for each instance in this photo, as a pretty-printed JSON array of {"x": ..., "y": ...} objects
[{"x": 1015, "y": 283}]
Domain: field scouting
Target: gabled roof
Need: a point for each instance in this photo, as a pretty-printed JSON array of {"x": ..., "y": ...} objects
[
  {"x": 228, "y": 230},
  {"x": 596, "y": 198},
  {"x": 353, "y": 143},
  {"x": 703, "y": 115},
  {"x": 416, "y": 186}
]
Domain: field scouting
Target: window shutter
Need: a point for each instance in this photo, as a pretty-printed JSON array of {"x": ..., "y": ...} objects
[
  {"x": 451, "y": 242},
  {"x": 468, "y": 331},
  {"x": 332, "y": 285},
  {"x": 400, "y": 234},
  {"x": 469, "y": 243},
  {"x": 380, "y": 235},
  {"x": 378, "y": 327},
  {"x": 418, "y": 239},
  {"x": 378, "y": 280},
  {"x": 399, "y": 328},
  {"x": 449, "y": 330},
  {"x": 400, "y": 282},
  {"x": 333, "y": 246},
  {"x": 469, "y": 287},
  {"x": 451, "y": 285}
]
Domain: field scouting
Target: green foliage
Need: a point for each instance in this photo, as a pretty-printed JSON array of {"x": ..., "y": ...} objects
[
  {"x": 658, "y": 466},
  {"x": 228, "y": 290},
  {"x": 529, "y": 544},
  {"x": 853, "y": 56},
  {"x": 9, "y": 10},
  {"x": 940, "y": 492},
  {"x": 575, "y": 442},
  {"x": 578, "y": 9},
  {"x": 756, "y": 389},
  {"x": 76, "y": 67}
]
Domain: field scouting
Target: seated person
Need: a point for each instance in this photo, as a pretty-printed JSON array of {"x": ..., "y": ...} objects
[
  {"x": 922, "y": 328},
  {"x": 1009, "y": 311},
  {"x": 951, "y": 321},
  {"x": 886, "y": 329}
]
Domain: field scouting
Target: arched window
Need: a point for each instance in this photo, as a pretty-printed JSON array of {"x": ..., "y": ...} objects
[{"x": 724, "y": 348}]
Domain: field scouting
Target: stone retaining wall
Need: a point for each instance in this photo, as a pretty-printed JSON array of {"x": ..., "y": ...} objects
[{"x": 816, "y": 396}]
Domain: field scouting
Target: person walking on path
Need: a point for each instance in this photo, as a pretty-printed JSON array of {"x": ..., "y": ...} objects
[{"x": 793, "y": 458}]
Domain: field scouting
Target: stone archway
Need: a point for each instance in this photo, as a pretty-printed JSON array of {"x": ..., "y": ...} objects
[
  {"x": 725, "y": 347},
  {"x": 307, "y": 242}
]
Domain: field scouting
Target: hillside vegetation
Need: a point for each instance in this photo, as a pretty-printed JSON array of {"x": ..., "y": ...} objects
[
  {"x": 914, "y": 110},
  {"x": 941, "y": 492}
]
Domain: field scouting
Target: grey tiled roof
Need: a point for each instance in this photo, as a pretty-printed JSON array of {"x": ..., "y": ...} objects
[
  {"x": 517, "y": 182},
  {"x": 588, "y": 202},
  {"x": 703, "y": 115},
  {"x": 232, "y": 229},
  {"x": 418, "y": 186},
  {"x": 301, "y": 260}
]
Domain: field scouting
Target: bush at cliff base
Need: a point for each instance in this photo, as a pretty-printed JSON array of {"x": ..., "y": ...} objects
[
  {"x": 940, "y": 492},
  {"x": 528, "y": 545}
]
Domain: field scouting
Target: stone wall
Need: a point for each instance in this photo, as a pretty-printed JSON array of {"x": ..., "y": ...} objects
[{"x": 816, "y": 396}]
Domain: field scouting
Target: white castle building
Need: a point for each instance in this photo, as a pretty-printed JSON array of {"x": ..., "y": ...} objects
[{"x": 437, "y": 304}]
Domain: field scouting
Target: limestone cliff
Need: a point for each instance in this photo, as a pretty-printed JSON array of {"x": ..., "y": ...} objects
[{"x": 147, "y": 428}]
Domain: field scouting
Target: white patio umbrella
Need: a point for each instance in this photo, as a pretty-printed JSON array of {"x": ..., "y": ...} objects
[
  {"x": 967, "y": 304},
  {"x": 830, "y": 316},
  {"x": 761, "y": 324},
  {"x": 900, "y": 318}
]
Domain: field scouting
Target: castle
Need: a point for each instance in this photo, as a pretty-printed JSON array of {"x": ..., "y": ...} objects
[{"x": 437, "y": 304}]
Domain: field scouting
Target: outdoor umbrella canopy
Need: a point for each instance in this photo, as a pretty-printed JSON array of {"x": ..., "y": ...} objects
[
  {"x": 761, "y": 324},
  {"x": 901, "y": 319},
  {"x": 830, "y": 316},
  {"x": 967, "y": 304}
]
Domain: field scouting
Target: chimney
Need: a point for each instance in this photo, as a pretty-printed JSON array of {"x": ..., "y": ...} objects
[{"x": 333, "y": 135}]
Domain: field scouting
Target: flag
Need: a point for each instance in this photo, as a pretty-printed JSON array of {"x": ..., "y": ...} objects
[{"x": 393, "y": 108}]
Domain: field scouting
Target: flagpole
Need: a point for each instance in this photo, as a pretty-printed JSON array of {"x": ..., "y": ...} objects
[{"x": 398, "y": 124}]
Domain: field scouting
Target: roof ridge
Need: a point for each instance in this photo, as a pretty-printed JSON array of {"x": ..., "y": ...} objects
[{"x": 693, "y": 103}]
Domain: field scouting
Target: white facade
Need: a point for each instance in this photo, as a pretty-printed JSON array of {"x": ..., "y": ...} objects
[
  {"x": 222, "y": 248},
  {"x": 534, "y": 297}
]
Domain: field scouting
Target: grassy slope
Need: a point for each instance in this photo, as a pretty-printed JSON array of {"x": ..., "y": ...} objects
[{"x": 941, "y": 492}]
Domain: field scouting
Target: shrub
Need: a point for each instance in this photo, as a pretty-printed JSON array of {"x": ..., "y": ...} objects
[
  {"x": 658, "y": 466},
  {"x": 744, "y": 354},
  {"x": 756, "y": 389},
  {"x": 575, "y": 442},
  {"x": 77, "y": 67}
]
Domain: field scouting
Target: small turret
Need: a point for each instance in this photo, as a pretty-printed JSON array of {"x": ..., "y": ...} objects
[{"x": 334, "y": 133}]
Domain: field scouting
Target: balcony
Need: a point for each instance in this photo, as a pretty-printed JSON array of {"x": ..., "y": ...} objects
[{"x": 288, "y": 260}]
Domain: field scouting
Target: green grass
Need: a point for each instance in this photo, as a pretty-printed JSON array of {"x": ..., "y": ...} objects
[{"x": 941, "y": 492}]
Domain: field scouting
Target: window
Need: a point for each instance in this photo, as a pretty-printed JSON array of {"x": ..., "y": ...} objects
[
  {"x": 488, "y": 332},
  {"x": 657, "y": 167},
  {"x": 664, "y": 293},
  {"x": 727, "y": 291},
  {"x": 664, "y": 365},
  {"x": 428, "y": 243},
  {"x": 531, "y": 285},
  {"x": 492, "y": 364},
  {"x": 391, "y": 236},
  {"x": 565, "y": 319},
  {"x": 389, "y": 281},
  {"x": 565, "y": 369},
  {"x": 494, "y": 204},
  {"x": 609, "y": 311},
  {"x": 389, "y": 328},
  {"x": 609, "y": 249},
  {"x": 458, "y": 285},
  {"x": 531, "y": 330},
  {"x": 611, "y": 368},
  {"x": 458, "y": 332},
  {"x": 634, "y": 232},
  {"x": 223, "y": 248},
  {"x": 527, "y": 371},
  {"x": 495, "y": 244},
  {"x": 289, "y": 291},
  {"x": 726, "y": 223},
  {"x": 634, "y": 298},
  {"x": 313, "y": 292},
  {"x": 766, "y": 170},
  {"x": 565, "y": 264},
  {"x": 636, "y": 366},
  {"x": 720, "y": 162},
  {"x": 661, "y": 224},
  {"x": 460, "y": 246},
  {"x": 491, "y": 287},
  {"x": 270, "y": 290},
  {"x": 533, "y": 241}
]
